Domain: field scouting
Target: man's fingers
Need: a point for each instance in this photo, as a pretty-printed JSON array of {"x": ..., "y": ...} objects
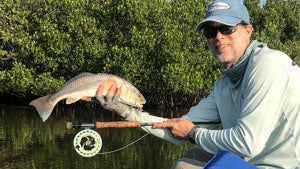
[
  {"x": 163, "y": 125},
  {"x": 112, "y": 90},
  {"x": 107, "y": 99},
  {"x": 119, "y": 90},
  {"x": 100, "y": 90},
  {"x": 85, "y": 98},
  {"x": 173, "y": 120}
]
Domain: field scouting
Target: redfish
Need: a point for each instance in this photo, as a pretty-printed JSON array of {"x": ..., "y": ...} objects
[{"x": 86, "y": 84}]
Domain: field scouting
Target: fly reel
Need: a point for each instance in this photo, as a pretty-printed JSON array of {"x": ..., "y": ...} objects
[{"x": 87, "y": 143}]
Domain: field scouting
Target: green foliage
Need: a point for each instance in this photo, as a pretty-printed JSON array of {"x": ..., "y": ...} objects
[
  {"x": 16, "y": 79},
  {"x": 278, "y": 25},
  {"x": 20, "y": 79},
  {"x": 151, "y": 43}
]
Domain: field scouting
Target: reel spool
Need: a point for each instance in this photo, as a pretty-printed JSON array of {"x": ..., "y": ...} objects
[{"x": 87, "y": 143}]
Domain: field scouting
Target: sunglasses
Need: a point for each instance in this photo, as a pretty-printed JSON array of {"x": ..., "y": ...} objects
[{"x": 211, "y": 32}]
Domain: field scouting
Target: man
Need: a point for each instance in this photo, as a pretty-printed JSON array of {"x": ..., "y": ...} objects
[{"x": 257, "y": 100}]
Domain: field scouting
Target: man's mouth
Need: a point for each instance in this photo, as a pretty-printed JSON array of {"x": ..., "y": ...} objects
[{"x": 221, "y": 46}]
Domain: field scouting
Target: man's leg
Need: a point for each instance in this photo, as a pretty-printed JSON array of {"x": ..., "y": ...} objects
[{"x": 193, "y": 158}]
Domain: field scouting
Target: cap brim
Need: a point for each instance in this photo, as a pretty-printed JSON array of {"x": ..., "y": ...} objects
[{"x": 230, "y": 21}]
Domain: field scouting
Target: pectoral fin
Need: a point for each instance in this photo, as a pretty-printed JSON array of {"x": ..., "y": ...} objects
[{"x": 70, "y": 100}]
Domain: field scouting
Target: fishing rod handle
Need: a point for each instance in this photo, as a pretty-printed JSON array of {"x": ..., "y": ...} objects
[{"x": 118, "y": 124}]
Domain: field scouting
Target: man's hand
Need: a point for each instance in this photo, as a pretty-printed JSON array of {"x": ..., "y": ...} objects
[
  {"x": 111, "y": 101},
  {"x": 180, "y": 127},
  {"x": 113, "y": 90}
]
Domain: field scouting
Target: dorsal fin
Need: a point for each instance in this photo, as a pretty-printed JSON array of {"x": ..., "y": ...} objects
[{"x": 83, "y": 74}]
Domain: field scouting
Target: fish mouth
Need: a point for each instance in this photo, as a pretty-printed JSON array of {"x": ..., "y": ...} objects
[{"x": 141, "y": 101}]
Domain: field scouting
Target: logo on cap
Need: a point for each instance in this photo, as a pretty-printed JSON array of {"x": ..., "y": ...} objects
[{"x": 219, "y": 6}]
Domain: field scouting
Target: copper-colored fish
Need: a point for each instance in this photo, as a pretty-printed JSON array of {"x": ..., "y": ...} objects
[{"x": 86, "y": 84}]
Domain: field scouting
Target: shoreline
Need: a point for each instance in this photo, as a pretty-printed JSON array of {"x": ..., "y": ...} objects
[{"x": 155, "y": 100}]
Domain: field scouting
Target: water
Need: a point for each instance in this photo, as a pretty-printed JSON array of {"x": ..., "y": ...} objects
[{"x": 27, "y": 142}]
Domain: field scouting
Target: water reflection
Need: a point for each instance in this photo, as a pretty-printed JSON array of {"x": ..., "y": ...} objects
[{"x": 27, "y": 142}]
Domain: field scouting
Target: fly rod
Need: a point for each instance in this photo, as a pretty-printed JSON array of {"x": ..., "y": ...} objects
[{"x": 118, "y": 124}]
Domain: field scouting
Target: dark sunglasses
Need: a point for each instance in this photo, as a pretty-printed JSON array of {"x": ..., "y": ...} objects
[{"x": 211, "y": 32}]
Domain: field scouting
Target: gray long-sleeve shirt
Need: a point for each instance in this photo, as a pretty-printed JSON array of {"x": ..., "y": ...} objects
[{"x": 260, "y": 117}]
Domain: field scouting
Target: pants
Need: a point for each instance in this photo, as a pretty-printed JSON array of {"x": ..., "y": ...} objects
[{"x": 193, "y": 158}]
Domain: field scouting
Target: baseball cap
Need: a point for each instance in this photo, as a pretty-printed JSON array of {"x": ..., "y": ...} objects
[{"x": 227, "y": 12}]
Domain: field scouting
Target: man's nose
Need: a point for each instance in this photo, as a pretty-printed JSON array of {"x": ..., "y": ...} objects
[{"x": 219, "y": 35}]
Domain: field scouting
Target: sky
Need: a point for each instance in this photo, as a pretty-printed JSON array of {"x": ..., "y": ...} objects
[{"x": 262, "y": 2}]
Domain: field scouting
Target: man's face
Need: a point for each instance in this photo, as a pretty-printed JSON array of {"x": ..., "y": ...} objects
[{"x": 228, "y": 48}]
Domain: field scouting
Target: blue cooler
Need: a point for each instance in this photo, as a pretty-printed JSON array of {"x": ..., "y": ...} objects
[{"x": 228, "y": 160}]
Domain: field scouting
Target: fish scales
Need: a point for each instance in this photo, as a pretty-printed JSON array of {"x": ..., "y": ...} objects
[
  {"x": 85, "y": 81},
  {"x": 70, "y": 87}
]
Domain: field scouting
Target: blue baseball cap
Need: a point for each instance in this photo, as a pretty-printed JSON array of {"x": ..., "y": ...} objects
[{"x": 227, "y": 12}]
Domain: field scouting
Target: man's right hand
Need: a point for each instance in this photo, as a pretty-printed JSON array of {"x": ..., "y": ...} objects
[{"x": 112, "y": 101}]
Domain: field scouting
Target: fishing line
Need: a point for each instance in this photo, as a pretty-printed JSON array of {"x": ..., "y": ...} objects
[{"x": 122, "y": 148}]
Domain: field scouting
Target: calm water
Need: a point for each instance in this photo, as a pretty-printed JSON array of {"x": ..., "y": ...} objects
[{"x": 27, "y": 142}]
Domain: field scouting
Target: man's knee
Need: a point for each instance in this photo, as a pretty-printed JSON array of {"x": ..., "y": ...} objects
[
  {"x": 198, "y": 154},
  {"x": 187, "y": 163}
]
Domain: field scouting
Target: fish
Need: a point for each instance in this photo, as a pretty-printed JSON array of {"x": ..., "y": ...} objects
[{"x": 86, "y": 84}]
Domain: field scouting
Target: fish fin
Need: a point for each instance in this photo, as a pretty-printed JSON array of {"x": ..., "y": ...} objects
[
  {"x": 71, "y": 100},
  {"x": 83, "y": 74},
  {"x": 44, "y": 106}
]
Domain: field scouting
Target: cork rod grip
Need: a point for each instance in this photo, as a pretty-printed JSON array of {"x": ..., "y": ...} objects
[{"x": 118, "y": 124}]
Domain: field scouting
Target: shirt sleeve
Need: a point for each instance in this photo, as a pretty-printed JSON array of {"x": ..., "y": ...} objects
[
  {"x": 204, "y": 111},
  {"x": 163, "y": 133},
  {"x": 264, "y": 87}
]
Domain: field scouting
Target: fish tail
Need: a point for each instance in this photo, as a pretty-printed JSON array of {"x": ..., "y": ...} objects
[{"x": 44, "y": 106}]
